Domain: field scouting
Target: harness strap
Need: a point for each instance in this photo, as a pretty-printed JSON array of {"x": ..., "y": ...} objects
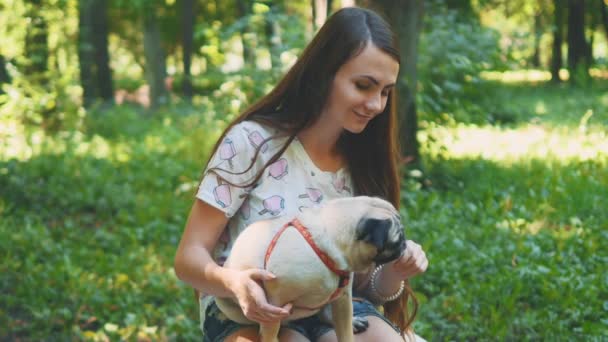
[{"x": 344, "y": 276}]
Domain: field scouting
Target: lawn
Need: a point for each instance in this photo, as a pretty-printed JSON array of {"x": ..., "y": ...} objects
[{"x": 512, "y": 213}]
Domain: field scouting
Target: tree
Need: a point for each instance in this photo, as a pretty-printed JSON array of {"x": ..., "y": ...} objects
[
  {"x": 273, "y": 35},
  {"x": 556, "y": 55},
  {"x": 102, "y": 56},
  {"x": 538, "y": 31},
  {"x": 319, "y": 12},
  {"x": 604, "y": 11},
  {"x": 405, "y": 16},
  {"x": 4, "y": 76},
  {"x": 245, "y": 12},
  {"x": 187, "y": 22},
  {"x": 36, "y": 46},
  {"x": 155, "y": 69},
  {"x": 577, "y": 43},
  {"x": 93, "y": 55},
  {"x": 86, "y": 52}
]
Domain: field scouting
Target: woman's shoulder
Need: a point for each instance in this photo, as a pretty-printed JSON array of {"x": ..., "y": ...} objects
[
  {"x": 259, "y": 134},
  {"x": 250, "y": 126}
]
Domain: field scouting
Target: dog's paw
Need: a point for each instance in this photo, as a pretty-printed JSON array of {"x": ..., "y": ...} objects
[{"x": 360, "y": 324}]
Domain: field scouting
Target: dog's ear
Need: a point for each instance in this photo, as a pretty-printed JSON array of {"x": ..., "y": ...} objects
[{"x": 374, "y": 231}]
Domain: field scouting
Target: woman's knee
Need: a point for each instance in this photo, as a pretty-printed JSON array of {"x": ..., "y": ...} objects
[
  {"x": 378, "y": 330},
  {"x": 249, "y": 334}
]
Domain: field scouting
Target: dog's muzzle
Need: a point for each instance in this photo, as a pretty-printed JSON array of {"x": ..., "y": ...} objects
[{"x": 391, "y": 251}]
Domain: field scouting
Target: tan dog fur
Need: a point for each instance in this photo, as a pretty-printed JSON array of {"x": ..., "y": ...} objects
[{"x": 302, "y": 278}]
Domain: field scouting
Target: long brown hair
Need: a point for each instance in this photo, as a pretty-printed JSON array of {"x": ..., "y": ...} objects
[{"x": 296, "y": 102}]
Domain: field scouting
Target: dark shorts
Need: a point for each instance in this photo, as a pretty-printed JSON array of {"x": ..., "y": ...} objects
[{"x": 217, "y": 326}]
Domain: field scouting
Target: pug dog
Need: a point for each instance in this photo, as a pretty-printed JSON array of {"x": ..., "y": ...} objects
[{"x": 313, "y": 257}]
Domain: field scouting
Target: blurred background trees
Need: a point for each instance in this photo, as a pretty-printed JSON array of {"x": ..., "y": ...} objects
[
  {"x": 158, "y": 52},
  {"x": 61, "y": 55},
  {"x": 109, "y": 108}
]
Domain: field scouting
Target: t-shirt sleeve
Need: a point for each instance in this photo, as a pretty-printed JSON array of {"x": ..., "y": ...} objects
[{"x": 231, "y": 167}]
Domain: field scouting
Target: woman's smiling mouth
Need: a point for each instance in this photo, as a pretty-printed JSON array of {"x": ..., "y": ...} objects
[{"x": 366, "y": 117}]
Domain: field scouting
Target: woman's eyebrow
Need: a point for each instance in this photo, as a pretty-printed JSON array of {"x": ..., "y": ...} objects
[{"x": 375, "y": 81}]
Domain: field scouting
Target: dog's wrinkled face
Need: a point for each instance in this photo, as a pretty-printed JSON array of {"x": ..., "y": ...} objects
[
  {"x": 365, "y": 229},
  {"x": 385, "y": 234}
]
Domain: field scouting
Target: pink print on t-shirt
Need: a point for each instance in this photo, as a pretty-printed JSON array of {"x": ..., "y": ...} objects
[
  {"x": 339, "y": 184},
  {"x": 222, "y": 195},
  {"x": 256, "y": 139},
  {"x": 227, "y": 151},
  {"x": 278, "y": 169},
  {"x": 315, "y": 195},
  {"x": 273, "y": 205}
]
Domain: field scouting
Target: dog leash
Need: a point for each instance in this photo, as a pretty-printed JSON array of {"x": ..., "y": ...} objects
[{"x": 344, "y": 276}]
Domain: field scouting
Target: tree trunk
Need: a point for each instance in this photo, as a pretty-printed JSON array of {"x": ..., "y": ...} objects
[
  {"x": 347, "y": 3},
  {"x": 273, "y": 37},
  {"x": 556, "y": 56},
  {"x": 36, "y": 46},
  {"x": 604, "y": 11},
  {"x": 155, "y": 60},
  {"x": 319, "y": 13},
  {"x": 187, "y": 44},
  {"x": 577, "y": 44},
  {"x": 4, "y": 76},
  {"x": 244, "y": 8},
  {"x": 86, "y": 52},
  {"x": 405, "y": 17},
  {"x": 102, "y": 56},
  {"x": 537, "y": 35}
]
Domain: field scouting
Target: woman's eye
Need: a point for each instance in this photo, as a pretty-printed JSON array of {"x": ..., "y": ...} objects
[
  {"x": 385, "y": 93},
  {"x": 363, "y": 86}
]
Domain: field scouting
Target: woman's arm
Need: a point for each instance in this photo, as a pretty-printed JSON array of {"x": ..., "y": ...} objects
[
  {"x": 194, "y": 265},
  {"x": 193, "y": 262}
]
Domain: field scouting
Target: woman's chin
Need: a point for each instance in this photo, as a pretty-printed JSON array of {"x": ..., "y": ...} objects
[{"x": 356, "y": 129}]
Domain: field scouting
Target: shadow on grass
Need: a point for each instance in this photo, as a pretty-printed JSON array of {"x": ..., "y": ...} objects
[{"x": 545, "y": 103}]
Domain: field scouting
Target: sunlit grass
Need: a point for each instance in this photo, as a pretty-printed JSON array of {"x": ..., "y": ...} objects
[
  {"x": 512, "y": 217},
  {"x": 536, "y": 75},
  {"x": 507, "y": 145}
]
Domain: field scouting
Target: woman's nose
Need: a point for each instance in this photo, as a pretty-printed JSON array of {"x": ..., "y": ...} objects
[{"x": 373, "y": 105}]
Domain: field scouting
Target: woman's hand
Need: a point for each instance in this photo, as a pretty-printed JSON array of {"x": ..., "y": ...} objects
[
  {"x": 412, "y": 262},
  {"x": 247, "y": 288}
]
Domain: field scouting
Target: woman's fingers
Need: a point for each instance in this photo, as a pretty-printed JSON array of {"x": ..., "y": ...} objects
[
  {"x": 266, "y": 313},
  {"x": 412, "y": 262},
  {"x": 261, "y": 310},
  {"x": 272, "y": 310}
]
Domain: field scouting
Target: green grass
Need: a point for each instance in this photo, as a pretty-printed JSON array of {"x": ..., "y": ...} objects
[
  {"x": 513, "y": 219},
  {"x": 516, "y": 252}
]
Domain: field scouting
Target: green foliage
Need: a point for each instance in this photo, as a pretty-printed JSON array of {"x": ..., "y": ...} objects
[
  {"x": 90, "y": 220},
  {"x": 47, "y": 97},
  {"x": 92, "y": 206},
  {"x": 90, "y": 225},
  {"x": 453, "y": 52},
  {"x": 517, "y": 242},
  {"x": 514, "y": 250}
]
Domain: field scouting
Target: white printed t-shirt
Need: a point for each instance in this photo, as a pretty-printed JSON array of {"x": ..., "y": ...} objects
[{"x": 288, "y": 185}]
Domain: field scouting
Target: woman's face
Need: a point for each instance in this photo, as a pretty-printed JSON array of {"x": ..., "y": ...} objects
[{"x": 360, "y": 89}]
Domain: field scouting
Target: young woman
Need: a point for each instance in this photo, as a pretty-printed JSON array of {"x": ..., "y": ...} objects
[{"x": 325, "y": 131}]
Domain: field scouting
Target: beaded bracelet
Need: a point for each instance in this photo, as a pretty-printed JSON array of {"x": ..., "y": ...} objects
[{"x": 375, "y": 289}]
